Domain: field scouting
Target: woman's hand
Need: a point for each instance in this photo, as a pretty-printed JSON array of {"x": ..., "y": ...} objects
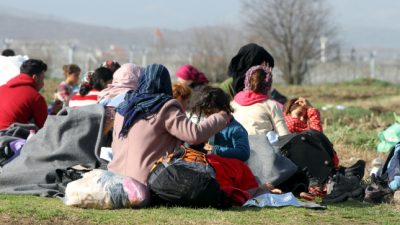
[{"x": 303, "y": 102}]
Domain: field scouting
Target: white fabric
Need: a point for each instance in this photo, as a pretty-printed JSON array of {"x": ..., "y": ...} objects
[
  {"x": 260, "y": 118},
  {"x": 9, "y": 67}
]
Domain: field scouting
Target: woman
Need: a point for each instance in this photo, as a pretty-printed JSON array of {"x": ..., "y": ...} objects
[
  {"x": 253, "y": 108},
  {"x": 124, "y": 79},
  {"x": 190, "y": 76},
  {"x": 150, "y": 123},
  {"x": 249, "y": 55}
]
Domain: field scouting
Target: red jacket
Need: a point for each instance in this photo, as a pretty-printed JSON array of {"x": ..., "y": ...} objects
[{"x": 21, "y": 102}]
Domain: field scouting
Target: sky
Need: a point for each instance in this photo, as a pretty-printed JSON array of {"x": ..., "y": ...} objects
[{"x": 362, "y": 22}]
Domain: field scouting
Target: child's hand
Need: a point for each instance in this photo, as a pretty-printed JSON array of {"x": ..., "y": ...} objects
[
  {"x": 208, "y": 147},
  {"x": 303, "y": 102}
]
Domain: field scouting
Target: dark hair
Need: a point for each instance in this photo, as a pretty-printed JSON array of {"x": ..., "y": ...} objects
[
  {"x": 33, "y": 66},
  {"x": 97, "y": 81},
  {"x": 256, "y": 81},
  {"x": 71, "y": 68},
  {"x": 211, "y": 98},
  {"x": 8, "y": 52},
  {"x": 112, "y": 65},
  {"x": 289, "y": 106}
]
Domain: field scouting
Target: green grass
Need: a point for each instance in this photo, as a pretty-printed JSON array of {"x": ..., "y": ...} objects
[
  {"x": 40, "y": 210},
  {"x": 353, "y": 130}
]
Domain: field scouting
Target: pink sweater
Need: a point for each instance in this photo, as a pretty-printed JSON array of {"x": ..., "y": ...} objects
[{"x": 149, "y": 140}]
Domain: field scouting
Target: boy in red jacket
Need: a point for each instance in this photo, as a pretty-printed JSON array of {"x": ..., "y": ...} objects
[{"x": 20, "y": 100}]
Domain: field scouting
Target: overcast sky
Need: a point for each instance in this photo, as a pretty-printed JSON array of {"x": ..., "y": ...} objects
[{"x": 354, "y": 17}]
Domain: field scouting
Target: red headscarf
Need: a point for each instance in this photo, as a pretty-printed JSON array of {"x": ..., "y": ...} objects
[{"x": 189, "y": 72}]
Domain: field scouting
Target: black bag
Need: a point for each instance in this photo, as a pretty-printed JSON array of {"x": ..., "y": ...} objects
[
  {"x": 5, "y": 151},
  {"x": 19, "y": 130},
  {"x": 185, "y": 178},
  {"x": 312, "y": 152}
]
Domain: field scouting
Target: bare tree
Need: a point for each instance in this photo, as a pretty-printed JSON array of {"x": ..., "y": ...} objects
[{"x": 291, "y": 30}]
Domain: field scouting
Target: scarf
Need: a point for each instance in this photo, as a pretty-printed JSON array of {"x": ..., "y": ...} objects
[
  {"x": 248, "y": 56},
  {"x": 153, "y": 91},
  {"x": 124, "y": 79},
  {"x": 189, "y": 72}
]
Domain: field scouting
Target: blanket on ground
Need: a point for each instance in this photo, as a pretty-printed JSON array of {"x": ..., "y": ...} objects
[{"x": 69, "y": 138}]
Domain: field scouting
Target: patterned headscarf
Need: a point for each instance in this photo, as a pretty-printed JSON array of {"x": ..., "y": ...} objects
[
  {"x": 153, "y": 91},
  {"x": 267, "y": 83},
  {"x": 124, "y": 79}
]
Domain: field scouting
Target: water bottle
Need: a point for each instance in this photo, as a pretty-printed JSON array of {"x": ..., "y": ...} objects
[{"x": 376, "y": 167}]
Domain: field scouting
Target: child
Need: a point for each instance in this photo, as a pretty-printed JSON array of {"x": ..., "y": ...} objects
[
  {"x": 300, "y": 115},
  {"x": 182, "y": 93},
  {"x": 89, "y": 91},
  {"x": 66, "y": 88},
  {"x": 231, "y": 142}
]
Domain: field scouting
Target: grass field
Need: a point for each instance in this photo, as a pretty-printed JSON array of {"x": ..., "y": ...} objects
[{"x": 368, "y": 109}]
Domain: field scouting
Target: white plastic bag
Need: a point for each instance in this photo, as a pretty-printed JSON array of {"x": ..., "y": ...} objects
[
  {"x": 9, "y": 67},
  {"x": 101, "y": 189}
]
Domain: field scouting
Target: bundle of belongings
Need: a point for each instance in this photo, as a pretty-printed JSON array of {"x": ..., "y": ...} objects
[{"x": 390, "y": 136}]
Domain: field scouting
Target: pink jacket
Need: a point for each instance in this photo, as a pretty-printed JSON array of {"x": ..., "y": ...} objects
[{"x": 149, "y": 140}]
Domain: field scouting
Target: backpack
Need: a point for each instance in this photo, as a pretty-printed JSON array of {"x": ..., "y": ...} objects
[
  {"x": 312, "y": 152},
  {"x": 184, "y": 178},
  {"x": 19, "y": 130}
]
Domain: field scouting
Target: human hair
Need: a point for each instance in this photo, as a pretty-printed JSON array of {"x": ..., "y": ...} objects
[
  {"x": 210, "y": 98},
  {"x": 97, "y": 80},
  {"x": 33, "y": 66},
  {"x": 111, "y": 64},
  {"x": 8, "y": 52},
  {"x": 256, "y": 81},
  {"x": 290, "y": 105},
  {"x": 180, "y": 90},
  {"x": 71, "y": 69}
]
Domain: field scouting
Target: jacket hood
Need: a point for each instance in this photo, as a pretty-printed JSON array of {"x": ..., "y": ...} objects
[{"x": 22, "y": 80}]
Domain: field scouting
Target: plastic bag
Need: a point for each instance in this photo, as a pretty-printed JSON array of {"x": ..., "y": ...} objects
[
  {"x": 390, "y": 136},
  {"x": 101, "y": 189}
]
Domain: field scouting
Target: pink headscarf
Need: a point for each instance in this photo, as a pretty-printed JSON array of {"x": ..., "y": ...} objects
[
  {"x": 189, "y": 72},
  {"x": 124, "y": 79}
]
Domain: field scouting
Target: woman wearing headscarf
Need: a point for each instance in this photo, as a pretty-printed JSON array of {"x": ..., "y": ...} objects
[
  {"x": 253, "y": 107},
  {"x": 249, "y": 55},
  {"x": 124, "y": 80},
  {"x": 150, "y": 123},
  {"x": 190, "y": 76}
]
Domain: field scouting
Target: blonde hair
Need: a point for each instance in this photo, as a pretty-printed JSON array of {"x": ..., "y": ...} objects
[{"x": 180, "y": 90}]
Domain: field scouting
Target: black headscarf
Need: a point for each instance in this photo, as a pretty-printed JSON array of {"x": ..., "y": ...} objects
[{"x": 249, "y": 55}]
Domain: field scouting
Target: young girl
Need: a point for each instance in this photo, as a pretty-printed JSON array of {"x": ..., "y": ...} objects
[
  {"x": 182, "y": 93},
  {"x": 231, "y": 142},
  {"x": 66, "y": 88},
  {"x": 300, "y": 115},
  {"x": 253, "y": 107},
  {"x": 89, "y": 91}
]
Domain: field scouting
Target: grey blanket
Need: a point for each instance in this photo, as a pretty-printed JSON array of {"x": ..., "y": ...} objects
[
  {"x": 267, "y": 163},
  {"x": 71, "y": 137}
]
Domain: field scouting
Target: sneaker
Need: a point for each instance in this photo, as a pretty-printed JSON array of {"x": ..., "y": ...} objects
[
  {"x": 378, "y": 191},
  {"x": 340, "y": 188},
  {"x": 356, "y": 170}
]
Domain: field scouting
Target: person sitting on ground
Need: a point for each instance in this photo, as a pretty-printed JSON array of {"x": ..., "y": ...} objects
[
  {"x": 300, "y": 115},
  {"x": 111, "y": 64},
  {"x": 150, "y": 123},
  {"x": 253, "y": 108},
  {"x": 8, "y": 52},
  {"x": 231, "y": 142},
  {"x": 20, "y": 99},
  {"x": 192, "y": 77},
  {"x": 182, "y": 94},
  {"x": 125, "y": 79},
  {"x": 67, "y": 88},
  {"x": 89, "y": 91}
]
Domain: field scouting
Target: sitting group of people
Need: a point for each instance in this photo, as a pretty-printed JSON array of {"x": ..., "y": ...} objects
[{"x": 147, "y": 116}]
